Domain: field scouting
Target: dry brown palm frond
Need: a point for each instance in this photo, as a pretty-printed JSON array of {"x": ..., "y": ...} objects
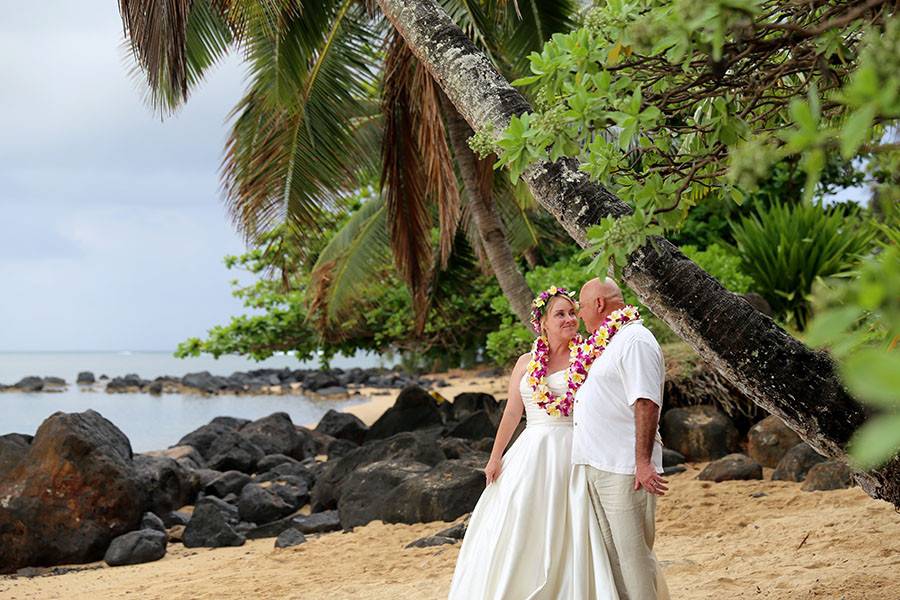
[
  {"x": 402, "y": 180},
  {"x": 157, "y": 30},
  {"x": 440, "y": 180}
]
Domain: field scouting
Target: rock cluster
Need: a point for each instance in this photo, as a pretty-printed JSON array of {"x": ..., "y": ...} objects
[
  {"x": 78, "y": 483},
  {"x": 330, "y": 382}
]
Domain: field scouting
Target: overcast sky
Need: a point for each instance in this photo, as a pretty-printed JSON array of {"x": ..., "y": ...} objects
[{"x": 112, "y": 228}]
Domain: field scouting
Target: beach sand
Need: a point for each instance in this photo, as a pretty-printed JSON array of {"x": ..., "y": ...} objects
[{"x": 715, "y": 541}]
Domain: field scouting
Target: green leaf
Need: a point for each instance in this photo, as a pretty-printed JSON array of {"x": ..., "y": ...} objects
[
  {"x": 828, "y": 327},
  {"x": 876, "y": 442},
  {"x": 523, "y": 81},
  {"x": 856, "y": 129},
  {"x": 873, "y": 376}
]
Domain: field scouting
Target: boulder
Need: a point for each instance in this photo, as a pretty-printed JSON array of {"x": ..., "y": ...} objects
[
  {"x": 339, "y": 448},
  {"x": 431, "y": 540},
  {"x": 205, "y": 436},
  {"x": 454, "y": 447},
  {"x": 205, "y": 476},
  {"x": 30, "y": 384},
  {"x": 289, "y": 537},
  {"x": 732, "y": 467},
  {"x": 155, "y": 388},
  {"x": 186, "y": 455},
  {"x": 445, "y": 493},
  {"x": 205, "y": 382},
  {"x": 670, "y": 458},
  {"x": 166, "y": 484},
  {"x": 176, "y": 534},
  {"x": 229, "y": 511},
  {"x": 229, "y": 482},
  {"x": 128, "y": 383},
  {"x": 85, "y": 378},
  {"x": 275, "y": 434},
  {"x": 273, "y": 460},
  {"x": 333, "y": 390},
  {"x": 258, "y": 504},
  {"x": 136, "y": 547},
  {"x": 769, "y": 440},
  {"x": 292, "y": 490},
  {"x": 414, "y": 409},
  {"x": 365, "y": 493},
  {"x": 289, "y": 470},
  {"x": 55, "y": 382},
  {"x": 828, "y": 475},
  {"x": 796, "y": 463},
  {"x": 470, "y": 402},
  {"x": 235, "y": 423},
  {"x": 699, "y": 433},
  {"x": 403, "y": 446},
  {"x": 343, "y": 426},
  {"x": 476, "y": 426},
  {"x": 322, "y": 522},
  {"x": 13, "y": 448},
  {"x": 233, "y": 451},
  {"x": 76, "y": 486},
  {"x": 320, "y": 379},
  {"x": 456, "y": 532},
  {"x": 209, "y": 528},
  {"x": 175, "y": 518},
  {"x": 151, "y": 521}
]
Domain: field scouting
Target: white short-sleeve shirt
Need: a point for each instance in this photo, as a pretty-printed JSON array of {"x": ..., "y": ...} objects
[{"x": 631, "y": 367}]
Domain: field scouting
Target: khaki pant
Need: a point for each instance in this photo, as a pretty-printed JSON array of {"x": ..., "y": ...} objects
[{"x": 627, "y": 520}]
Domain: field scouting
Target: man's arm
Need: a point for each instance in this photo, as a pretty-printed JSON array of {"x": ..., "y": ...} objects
[{"x": 646, "y": 418}]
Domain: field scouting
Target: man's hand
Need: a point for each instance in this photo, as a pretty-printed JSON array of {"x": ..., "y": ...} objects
[{"x": 646, "y": 477}]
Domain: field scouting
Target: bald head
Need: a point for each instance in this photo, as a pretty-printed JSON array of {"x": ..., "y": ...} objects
[{"x": 598, "y": 298}]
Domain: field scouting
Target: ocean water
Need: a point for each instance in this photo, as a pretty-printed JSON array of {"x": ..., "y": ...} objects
[{"x": 152, "y": 422}]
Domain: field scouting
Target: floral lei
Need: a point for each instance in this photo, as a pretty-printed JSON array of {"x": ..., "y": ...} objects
[{"x": 582, "y": 354}]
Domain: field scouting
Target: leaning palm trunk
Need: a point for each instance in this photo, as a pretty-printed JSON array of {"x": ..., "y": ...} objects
[
  {"x": 777, "y": 371},
  {"x": 490, "y": 229}
]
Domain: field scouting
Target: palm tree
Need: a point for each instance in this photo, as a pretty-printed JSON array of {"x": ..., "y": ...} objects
[{"x": 309, "y": 127}]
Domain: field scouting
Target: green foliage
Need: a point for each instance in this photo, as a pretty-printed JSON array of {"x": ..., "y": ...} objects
[
  {"x": 671, "y": 105},
  {"x": 785, "y": 249},
  {"x": 859, "y": 322},
  {"x": 721, "y": 264}
]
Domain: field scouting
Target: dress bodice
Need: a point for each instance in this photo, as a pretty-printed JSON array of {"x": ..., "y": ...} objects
[{"x": 534, "y": 414}]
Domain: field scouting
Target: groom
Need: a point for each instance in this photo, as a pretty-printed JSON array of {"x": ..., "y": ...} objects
[{"x": 617, "y": 445}]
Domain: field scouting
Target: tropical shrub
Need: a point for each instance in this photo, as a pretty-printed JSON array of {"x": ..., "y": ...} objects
[
  {"x": 785, "y": 249},
  {"x": 721, "y": 264}
]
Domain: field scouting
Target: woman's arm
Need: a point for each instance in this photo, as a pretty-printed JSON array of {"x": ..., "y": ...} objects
[{"x": 512, "y": 415}]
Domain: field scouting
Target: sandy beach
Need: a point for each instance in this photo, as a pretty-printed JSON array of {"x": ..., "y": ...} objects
[{"x": 714, "y": 541}]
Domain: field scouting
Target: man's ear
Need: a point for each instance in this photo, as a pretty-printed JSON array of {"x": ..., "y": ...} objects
[{"x": 601, "y": 304}]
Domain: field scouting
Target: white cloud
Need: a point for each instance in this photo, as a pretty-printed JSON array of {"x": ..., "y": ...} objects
[{"x": 112, "y": 229}]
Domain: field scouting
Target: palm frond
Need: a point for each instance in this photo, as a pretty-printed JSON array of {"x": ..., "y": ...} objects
[
  {"x": 174, "y": 43},
  {"x": 529, "y": 24},
  {"x": 300, "y": 139},
  {"x": 403, "y": 176},
  {"x": 440, "y": 180},
  {"x": 355, "y": 257}
]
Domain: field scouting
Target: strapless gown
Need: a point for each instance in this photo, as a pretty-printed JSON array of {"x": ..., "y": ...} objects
[{"x": 524, "y": 540}]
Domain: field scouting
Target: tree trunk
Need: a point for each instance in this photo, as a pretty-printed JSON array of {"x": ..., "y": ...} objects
[
  {"x": 499, "y": 254},
  {"x": 776, "y": 371}
]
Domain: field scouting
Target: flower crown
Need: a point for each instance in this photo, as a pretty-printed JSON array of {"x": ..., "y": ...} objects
[{"x": 540, "y": 303}]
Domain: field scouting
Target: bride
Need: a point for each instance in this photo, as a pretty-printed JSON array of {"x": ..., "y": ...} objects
[{"x": 521, "y": 543}]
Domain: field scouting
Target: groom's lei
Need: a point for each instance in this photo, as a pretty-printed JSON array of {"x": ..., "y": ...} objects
[{"x": 582, "y": 354}]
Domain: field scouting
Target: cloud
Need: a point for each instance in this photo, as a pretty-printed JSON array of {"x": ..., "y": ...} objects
[{"x": 112, "y": 229}]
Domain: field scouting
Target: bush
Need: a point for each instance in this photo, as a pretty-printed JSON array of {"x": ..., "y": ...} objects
[
  {"x": 721, "y": 264},
  {"x": 785, "y": 249}
]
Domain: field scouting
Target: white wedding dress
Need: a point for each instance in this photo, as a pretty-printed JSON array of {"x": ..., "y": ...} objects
[{"x": 532, "y": 535}]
